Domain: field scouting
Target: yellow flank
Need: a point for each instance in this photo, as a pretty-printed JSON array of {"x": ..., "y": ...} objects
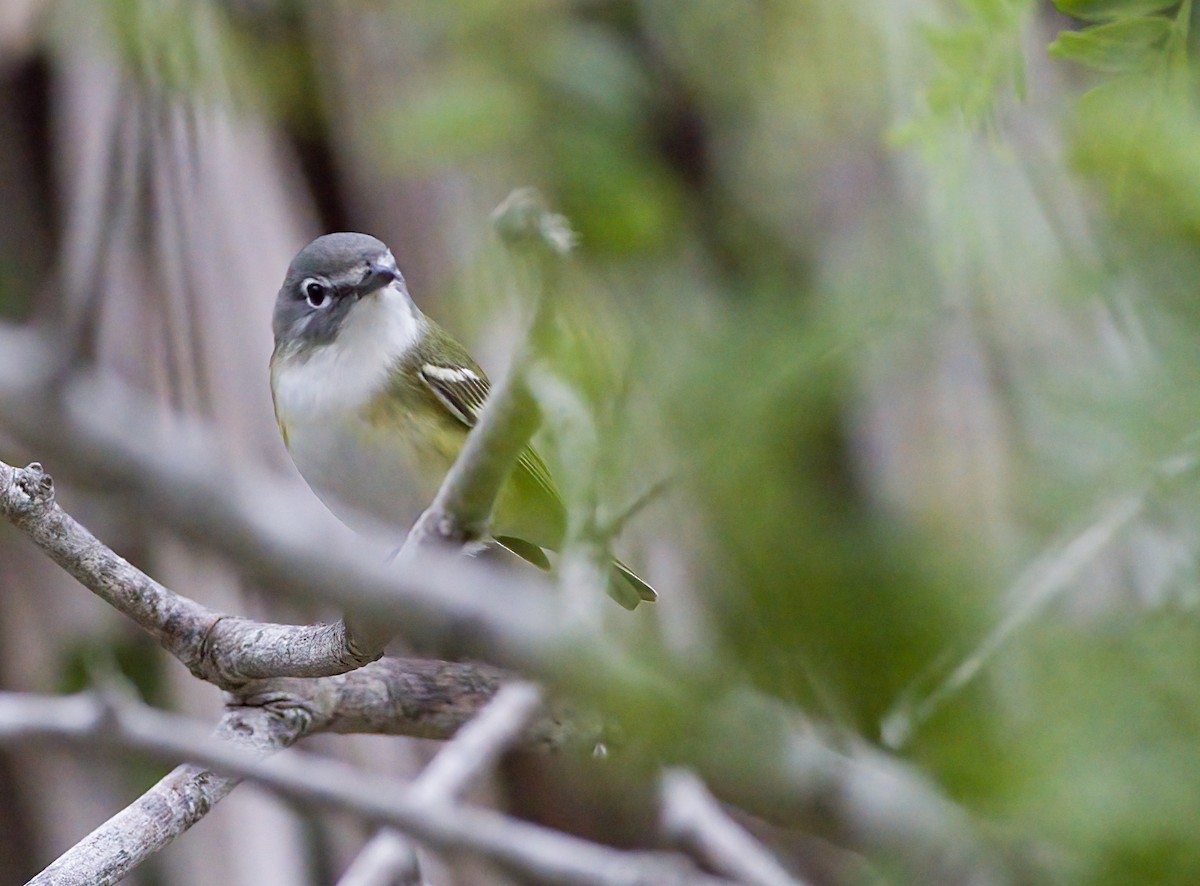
[{"x": 527, "y": 506}]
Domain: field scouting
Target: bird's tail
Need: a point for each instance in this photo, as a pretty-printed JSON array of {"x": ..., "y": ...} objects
[
  {"x": 628, "y": 588},
  {"x": 624, "y": 585}
]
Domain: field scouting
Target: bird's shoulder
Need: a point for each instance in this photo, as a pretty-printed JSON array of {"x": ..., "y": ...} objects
[{"x": 446, "y": 371}]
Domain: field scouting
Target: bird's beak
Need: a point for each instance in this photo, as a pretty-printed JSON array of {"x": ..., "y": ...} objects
[{"x": 377, "y": 277}]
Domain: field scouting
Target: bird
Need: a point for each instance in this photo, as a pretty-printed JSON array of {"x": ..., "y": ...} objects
[{"x": 374, "y": 401}]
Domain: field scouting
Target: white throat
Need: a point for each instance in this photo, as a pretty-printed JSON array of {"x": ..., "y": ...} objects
[{"x": 345, "y": 373}]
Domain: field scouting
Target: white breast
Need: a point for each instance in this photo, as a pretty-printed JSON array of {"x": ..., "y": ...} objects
[{"x": 319, "y": 399}]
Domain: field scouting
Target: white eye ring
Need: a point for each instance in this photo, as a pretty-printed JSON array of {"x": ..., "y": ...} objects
[{"x": 316, "y": 293}]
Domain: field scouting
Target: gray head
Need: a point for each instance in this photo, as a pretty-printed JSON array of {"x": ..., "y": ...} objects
[{"x": 324, "y": 282}]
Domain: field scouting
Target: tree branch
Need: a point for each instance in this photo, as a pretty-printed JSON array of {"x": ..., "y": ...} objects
[
  {"x": 224, "y": 650},
  {"x": 420, "y": 698},
  {"x": 417, "y": 698},
  {"x": 693, "y": 818},
  {"x": 174, "y": 804},
  {"x": 389, "y": 857},
  {"x": 528, "y": 850},
  {"x": 179, "y": 624}
]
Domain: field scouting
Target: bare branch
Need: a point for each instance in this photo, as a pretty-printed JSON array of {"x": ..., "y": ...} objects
[
  {"x": 27, "y": 499},
  {"x": 479, "y": 744},
  {"x": 223, "y": 650},
  {"x": 693, "y": 818},
  {"x": 389, "y": 857},
  {"x": 238, "y": 650},
  {"x": 174, "y": 804},
  {"x": 529, "y": 850},
  {"x": 415, "y": 697},
  {"x": 140, "y": 830},
  {"x": 418, "y": 698}
]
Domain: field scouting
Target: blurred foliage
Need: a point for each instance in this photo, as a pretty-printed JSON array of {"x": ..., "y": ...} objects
[
  {"x": 978, "y": 57},
  {"x": 903, "y": 296},
  {"x": 126, "y": 663}
]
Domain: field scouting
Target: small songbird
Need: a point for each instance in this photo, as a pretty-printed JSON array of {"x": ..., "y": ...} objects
[{"x": 374, "y": 401}]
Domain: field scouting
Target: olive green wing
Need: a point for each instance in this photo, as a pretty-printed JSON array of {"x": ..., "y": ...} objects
[{"x": 458, "y": 383}]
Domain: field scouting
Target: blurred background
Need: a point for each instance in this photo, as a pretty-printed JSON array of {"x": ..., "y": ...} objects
[{"x": 900, "y": 295}]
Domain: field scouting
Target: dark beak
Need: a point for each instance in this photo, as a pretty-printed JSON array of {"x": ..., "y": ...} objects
[{"x": 377, "y": 277}]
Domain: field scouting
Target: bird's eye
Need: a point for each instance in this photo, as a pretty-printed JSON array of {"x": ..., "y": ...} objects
[{"x": 315, "y": 292}]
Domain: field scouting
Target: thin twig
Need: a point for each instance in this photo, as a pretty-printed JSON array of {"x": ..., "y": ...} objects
[
  {"x": 463, "y": 505},
  {"x": 1036, "y": 588},
  {"x": 610, "y": 523},
  {"x": 389, "y": 857},
  {"x": 460, "y": 511},
  {"x": 479, "y": 744},
  {"x": 693, "y": 818}
]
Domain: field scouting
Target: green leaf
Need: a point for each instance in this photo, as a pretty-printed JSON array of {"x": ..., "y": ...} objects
[
  {"x": 1106, "y": 10},
  {"x": 1118, "y": 47}
]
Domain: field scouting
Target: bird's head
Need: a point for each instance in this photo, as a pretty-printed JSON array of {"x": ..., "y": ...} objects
[{"x": 328, "y": 281}]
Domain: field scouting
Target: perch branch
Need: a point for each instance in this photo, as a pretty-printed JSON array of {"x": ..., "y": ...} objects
[{"x": 223, "y": 650}]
